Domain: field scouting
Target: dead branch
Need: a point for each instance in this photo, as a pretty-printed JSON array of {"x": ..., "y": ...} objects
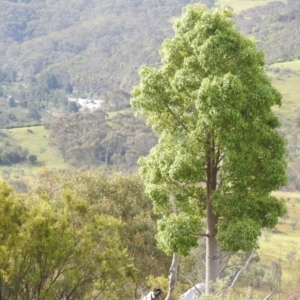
[{"x": 242, "y": 269}]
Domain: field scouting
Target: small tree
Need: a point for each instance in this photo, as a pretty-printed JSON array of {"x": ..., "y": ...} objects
[
  {"x": 219, "y": 154},
  {"x": 32, "y": 158}
]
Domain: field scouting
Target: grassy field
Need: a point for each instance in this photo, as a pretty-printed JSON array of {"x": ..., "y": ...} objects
[
  {"x": 285, "y": 77},
  {"x": 283, "y": 247},
  {"x": 293, "y": 65},
  {"x": 240, "y": 5},
  {"x": 290, "y": 90},
  {"x": 36, "y": 140}
]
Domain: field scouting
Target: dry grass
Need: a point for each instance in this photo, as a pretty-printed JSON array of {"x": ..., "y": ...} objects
[
  {"x": 293, "y": 65},
  {"x": 240, "y": 5},
  {"x": 289, "y": 87},
  {"x": 278, "y": 247}
]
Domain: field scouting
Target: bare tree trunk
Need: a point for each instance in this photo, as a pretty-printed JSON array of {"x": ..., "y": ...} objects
[
  {"x": 212, "y": 248},
  {"x": 212, "y": 252},
  {"x": 173, "y": 276}
]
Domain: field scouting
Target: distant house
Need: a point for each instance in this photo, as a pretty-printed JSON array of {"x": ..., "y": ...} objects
[{"x": 90, "y": 104}]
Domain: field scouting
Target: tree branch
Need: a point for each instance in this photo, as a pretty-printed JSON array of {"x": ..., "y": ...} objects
[
  {"x": 242, "y": 269},
  {"x": 220, "y": 159},
  {"x": 176, "y": 118},
  {"x": 185, "y": 184},
  {"x": 268, "y": 296}
]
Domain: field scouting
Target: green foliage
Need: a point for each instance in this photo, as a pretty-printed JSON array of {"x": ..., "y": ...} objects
[
  {"x": 119, "y": 197},
  {"x": 211, "y": 101},
  {"x": 10, "y": 152},
  {"x": 32, "y": 158},
  {"x": 176, "y": 233},
  {"x": 93, "y": 139},
  {"x": 60, "y": 249}
]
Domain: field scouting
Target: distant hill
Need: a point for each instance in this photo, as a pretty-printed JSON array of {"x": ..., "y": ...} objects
[
  {"x": 94, "y": 48},
  {"x": 97, "y": 46},
  {"x": 276, "y": 26}
]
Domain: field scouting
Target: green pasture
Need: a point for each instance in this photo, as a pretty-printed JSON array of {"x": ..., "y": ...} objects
[
  {"x": 288, "y": 84},
  {"x": 284, "y": 247},
  {"x": 240, "y": 5},
  {"x": 290, "y": 90},
  {"x": 293, "y": 65},
  {"x": 36, "y": 140}
]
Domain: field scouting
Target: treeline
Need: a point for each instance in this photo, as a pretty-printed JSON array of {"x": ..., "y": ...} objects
[
  {"x": 91, "y": 139},
  {"x": 29, "y": 103}
]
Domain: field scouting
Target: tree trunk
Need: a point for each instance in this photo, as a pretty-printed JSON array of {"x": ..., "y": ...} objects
[
  {"x": 173, "y": 277},
  {"x": 212, "y": 248},
  {"x": 212, "y": 251}
]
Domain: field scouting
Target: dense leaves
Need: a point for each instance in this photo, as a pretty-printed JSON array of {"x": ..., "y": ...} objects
[
  {"x": 219, "y": 149},
  {"x": 121, "y": 197},
  {"x": 60, "y": 249}
]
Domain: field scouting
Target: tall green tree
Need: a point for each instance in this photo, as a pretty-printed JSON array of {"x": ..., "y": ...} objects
[{"x": 219, "y": 154}]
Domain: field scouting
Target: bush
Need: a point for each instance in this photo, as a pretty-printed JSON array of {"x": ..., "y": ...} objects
[{"x": 32, "y": 158}]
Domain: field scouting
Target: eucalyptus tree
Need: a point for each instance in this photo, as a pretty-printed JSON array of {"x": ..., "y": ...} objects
[{"x": 219, "y": 154}]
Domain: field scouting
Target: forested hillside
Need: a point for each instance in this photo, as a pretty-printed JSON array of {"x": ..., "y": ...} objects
[
  {"x": 49, "y": 49},
  {"x": 54, "y": 50},
  {"x": 56, "y": 220},
  {"x": 92, "y": 49},
  {"x": 97, "y": 46},
  {"x": 276, "y": 26}
]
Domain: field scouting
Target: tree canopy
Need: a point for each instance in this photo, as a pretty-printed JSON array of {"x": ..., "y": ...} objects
[
  {"x": 121, "y": 197},
  {"x": 219, "y": 154},
  {"x": 60, "y": 249}
]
